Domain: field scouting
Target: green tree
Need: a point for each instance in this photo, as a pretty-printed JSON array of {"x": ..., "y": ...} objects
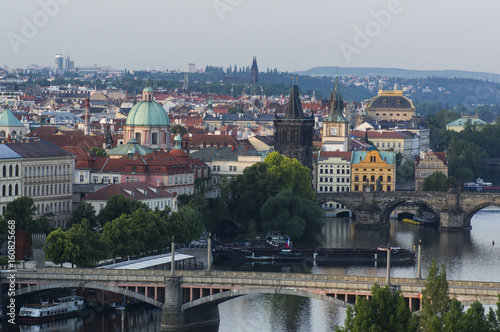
[
  {"x": 59, "y": 248},
  {"x": 435, "y": 299},
  {"x": 264, "y": 180},
  {"x": 124, "y": 237},
  {"x": 466, "y": 160},
  {"x": 296, "y": 216},
  {"x": 435, "y": 182},
  {"x": 88, "y": 241},
  {"x": 86, "y": 211},
  {"x": 117, "y": 205},
  {"x": 98, "y": 152},
  {"x": 405, "y": 171},
  {"x": 22, "y": 211},
  {"x": 385, "y": 312},
  {"x": 178, "y": 129},
  {"x": 186, "y": 224}
]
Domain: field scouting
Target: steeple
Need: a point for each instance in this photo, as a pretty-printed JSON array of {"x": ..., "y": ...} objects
[
  {"x": 336, "y": 105},
  {"x": 254, "y": 71},
  {"x": 294, "y": 107}
]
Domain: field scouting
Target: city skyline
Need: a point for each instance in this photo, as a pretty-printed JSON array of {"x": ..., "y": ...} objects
[{"x": 289, "y": 35}]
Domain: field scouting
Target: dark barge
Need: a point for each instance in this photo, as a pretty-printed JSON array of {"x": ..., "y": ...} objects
[{"x": 321, "y": 256}]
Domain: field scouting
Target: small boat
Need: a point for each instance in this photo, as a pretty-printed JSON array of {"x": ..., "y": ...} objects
[
  {"x": 254, "y": 258},
  {"x": 413, "y": 222},
  {"x": 50, "y": 309},
  {"x": 276, "y": 240},
  {"x": 286, "y": 255}
]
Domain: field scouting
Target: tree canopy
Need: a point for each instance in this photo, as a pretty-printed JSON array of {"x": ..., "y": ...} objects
[
  {"x": 300, "y": 218},
  {"x": 387, "y": 311},
  {"x": 264, "y": 180},
  {"x": 22, "y": 211},
  {"x": 88, "y": 241},
  {"x": 117, "y": 205},
  {"x": 86, "y": 211},
  {"x": 59, "y": 247}
]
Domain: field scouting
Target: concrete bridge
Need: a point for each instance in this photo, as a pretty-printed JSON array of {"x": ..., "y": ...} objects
[
  {"x": 190, "y": 298},
  {"x": 373, "y": 209}
]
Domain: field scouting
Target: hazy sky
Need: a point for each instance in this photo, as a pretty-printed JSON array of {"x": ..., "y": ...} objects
[{"x": 287, "y": 34}]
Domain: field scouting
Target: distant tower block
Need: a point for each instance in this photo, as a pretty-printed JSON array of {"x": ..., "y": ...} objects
[
  {"x": 191, "y": 68},
  {"x": 59, "y": 61}
]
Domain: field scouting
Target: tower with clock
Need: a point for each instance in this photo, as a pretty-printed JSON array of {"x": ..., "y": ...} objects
[{"x": 335, "y": 126}]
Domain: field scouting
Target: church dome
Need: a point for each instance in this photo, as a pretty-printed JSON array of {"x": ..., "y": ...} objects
[
  {"x": 147, "y": 112},
  {"x": 390, "y": 100}
]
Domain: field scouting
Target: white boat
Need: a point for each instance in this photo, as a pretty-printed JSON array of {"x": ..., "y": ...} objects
[
  {"x": 50, "y": 309},
  {"x": 276, "y": 240}
]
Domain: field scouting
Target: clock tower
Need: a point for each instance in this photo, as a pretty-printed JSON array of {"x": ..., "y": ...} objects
[{"x": 335, "y": 126}]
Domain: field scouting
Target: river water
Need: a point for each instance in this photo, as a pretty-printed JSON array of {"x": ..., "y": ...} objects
[{"x": 465, "y": 255}]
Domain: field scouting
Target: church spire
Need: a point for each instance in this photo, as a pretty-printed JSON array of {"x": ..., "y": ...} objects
[
  {"x": 336, "y": 104},
  {"x": 294, "y": 107}
]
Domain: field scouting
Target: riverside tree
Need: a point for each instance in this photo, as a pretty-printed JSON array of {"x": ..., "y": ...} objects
[
  {"x": 299, "y": 217},
  {"x": 117, "y": 205},
  {"x": 59, "y": 248},
  {"x": 88, "y": 240},
  {"x": 385, "y": 312},
  {"x": 264, "y": 180}
]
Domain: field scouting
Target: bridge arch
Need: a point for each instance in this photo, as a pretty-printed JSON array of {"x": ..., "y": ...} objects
[
  {"x": 229, "y": 295},
  {"x": 398, "y": 201},
  {"x": 76, "y": 284},
  {"x": 336, "y": 198},
  {"x": 475, "y": 209}
]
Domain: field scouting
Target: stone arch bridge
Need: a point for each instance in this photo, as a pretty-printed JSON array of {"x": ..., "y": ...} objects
[
  {"x": 190, "y": 298},
  {"x": 454, "y": 209}
]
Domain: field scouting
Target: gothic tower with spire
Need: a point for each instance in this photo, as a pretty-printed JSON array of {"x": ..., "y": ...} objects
[
  {"x": 254, "y": 71},
  {"x": 336, "y": 127},
  {"x": 294, "y": 132}
]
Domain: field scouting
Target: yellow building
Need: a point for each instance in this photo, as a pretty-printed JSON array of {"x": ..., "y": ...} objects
[
  {"x": 390, "y": 106},
  {"x": 427, "y": 164},
  {"x": 373, "y": 171}
]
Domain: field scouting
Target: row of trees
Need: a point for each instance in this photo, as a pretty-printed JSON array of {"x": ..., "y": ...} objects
[
  {"x": 387, "y": 311},
  {"x": 122, "y": 228}
]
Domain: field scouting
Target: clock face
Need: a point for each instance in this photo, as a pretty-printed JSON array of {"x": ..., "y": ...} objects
[{"x": 334, "y": 131}]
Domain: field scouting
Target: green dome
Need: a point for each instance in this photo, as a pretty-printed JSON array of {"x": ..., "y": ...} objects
[
  {"x": 148, "y": 89},
  {"x": 147, "y": 113}
]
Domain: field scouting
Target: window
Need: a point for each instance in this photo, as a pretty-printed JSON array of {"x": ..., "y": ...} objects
[
  {"x": 154, "y": 138},
  {"x": 95, "y": 179},
  {"x": 82, "y": 178}
]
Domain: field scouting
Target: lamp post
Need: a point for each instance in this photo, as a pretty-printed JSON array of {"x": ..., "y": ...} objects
[
  {"x": 209, "y": 252},
  {"x": 388, "y": 276},
  {"x": 419, "y": 267},
  {"x": 172, "y": 263}
]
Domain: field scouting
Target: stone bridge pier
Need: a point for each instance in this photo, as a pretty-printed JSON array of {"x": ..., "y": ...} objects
[{"x": 175, "y": 319}]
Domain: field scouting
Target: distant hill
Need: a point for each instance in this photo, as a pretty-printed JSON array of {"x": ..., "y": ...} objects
[{"x": 397, "y": 72}]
